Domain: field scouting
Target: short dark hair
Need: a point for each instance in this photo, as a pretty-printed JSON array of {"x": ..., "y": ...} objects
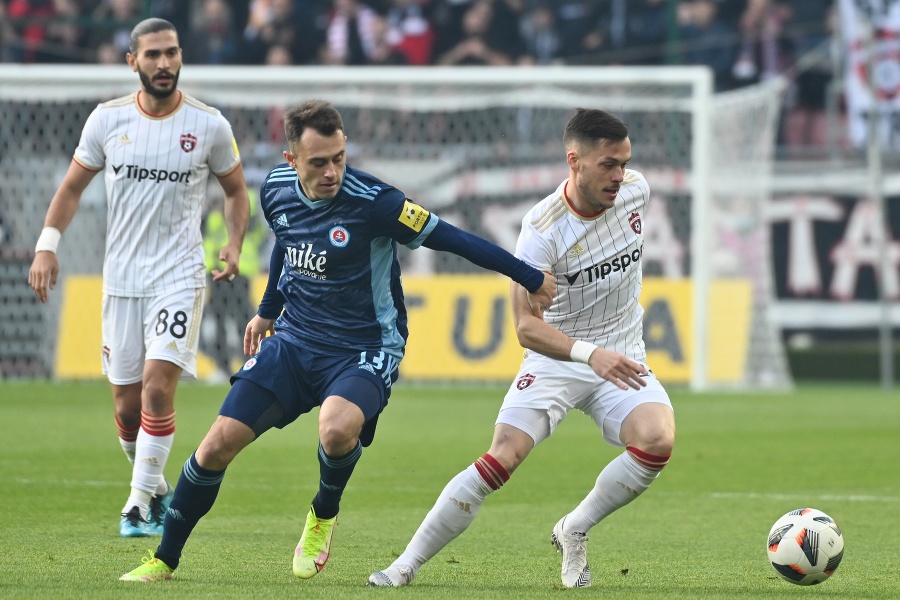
[
  {"x": 590, "y": 125},
  {"x": 153, "y": 25},
  {"x": 315, "y": 114}
]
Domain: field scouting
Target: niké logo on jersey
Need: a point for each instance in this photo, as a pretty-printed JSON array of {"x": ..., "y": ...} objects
[
  {"x": 154, "y": 175},
  {"x": 307, "y": 261}
]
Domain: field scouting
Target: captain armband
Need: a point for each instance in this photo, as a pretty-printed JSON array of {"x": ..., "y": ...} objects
[
  {"x": 581, "y": 351},
  {"x": 48, "y": 241}
]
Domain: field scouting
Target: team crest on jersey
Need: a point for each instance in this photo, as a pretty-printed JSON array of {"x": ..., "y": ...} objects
[
  {"x": 338, "y": 236},
  {"x": 635, "y": 221},
  {"x": 250, "y": 364},
  {"x": 188, "y": 142},
  {"x": 524, "y": 381}
]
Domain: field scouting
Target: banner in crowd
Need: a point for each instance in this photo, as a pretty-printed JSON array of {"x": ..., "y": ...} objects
[
  {"x": 461, "y": 329},
  {"x": 827, "y": 260},
  {"x": 871, "y": 38}
]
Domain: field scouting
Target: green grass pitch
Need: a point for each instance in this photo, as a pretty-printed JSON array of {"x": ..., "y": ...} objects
[{"x": 740, "y": 462}]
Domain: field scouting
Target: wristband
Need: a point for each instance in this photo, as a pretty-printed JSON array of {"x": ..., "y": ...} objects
[
  {"x": 48, "y": 241},
  {"x": 581, "y": 351}
]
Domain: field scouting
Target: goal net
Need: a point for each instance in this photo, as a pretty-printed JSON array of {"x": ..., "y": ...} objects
[{"x": 477, "y": 146}]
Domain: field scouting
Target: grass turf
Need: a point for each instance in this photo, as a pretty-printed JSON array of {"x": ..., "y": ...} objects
[{"x": 741, "y": 461}]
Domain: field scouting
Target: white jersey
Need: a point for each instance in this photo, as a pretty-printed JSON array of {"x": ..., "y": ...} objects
[
  {"x": 597, "y": 262},
  {"x": 155, "y": 169}
]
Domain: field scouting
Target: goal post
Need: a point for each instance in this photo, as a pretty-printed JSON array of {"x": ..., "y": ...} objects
[{"x": 478, "y": 146}]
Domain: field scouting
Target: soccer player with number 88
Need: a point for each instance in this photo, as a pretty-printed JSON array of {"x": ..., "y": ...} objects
[{"x": 155, "y": 148}]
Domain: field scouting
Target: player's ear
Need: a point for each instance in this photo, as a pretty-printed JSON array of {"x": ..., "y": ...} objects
[
  {"x": 572, "y": 159},
  {"x": 131, "y": 59},
  {"x": 289, "y": 157}
]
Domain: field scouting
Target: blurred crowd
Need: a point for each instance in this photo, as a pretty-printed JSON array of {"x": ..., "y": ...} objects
[{"x": 743, "y": 41}]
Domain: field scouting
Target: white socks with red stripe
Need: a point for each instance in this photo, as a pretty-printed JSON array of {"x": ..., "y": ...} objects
[
  {"x": 127, "y": 439},
  {"x": 455, "y": 509},
  {"x": 625, "y": 478},
  {"x": 152, "y": 447}
]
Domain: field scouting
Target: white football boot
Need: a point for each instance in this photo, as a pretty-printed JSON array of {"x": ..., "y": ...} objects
[{"x": 575, "y": 569}]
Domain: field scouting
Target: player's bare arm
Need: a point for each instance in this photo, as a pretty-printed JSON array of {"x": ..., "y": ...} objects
[
  {"x": 45, "y": 267},
  {"x": 258, "y": 328},
  {"x": 535, "y": 334},
  {"x": 531, "y": 330},
  {"x": 237, "y": 217},
  {"x": 540, "y": 300}
]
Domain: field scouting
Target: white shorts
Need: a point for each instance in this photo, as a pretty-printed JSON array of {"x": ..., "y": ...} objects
[
  {"x": 159, "y": 328},
  {"x": 545, "y": 390}
]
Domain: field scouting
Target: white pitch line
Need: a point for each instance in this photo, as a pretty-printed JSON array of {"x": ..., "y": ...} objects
[
  {"x": 801, "y": 498},
  {"x": 69, "y": 482},
  {"x": 807, "y": 497}
]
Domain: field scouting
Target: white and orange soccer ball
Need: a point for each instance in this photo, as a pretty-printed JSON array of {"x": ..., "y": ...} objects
[{"x": 805, "y": 546}]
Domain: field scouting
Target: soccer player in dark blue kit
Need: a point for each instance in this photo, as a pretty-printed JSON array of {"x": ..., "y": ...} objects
[{"x": 334, "y": 304}]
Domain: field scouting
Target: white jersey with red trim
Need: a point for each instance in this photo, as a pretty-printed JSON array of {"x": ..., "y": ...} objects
[
  {"x": 597, "y": 262},
  {"x": 155, "y": 170}
]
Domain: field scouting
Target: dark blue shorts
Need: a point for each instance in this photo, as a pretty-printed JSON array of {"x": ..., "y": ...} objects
[{"x": 300, "y": 380}]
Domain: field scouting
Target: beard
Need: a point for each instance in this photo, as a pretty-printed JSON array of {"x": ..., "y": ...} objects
[
  {"x": 595, "y": 200},
  {"x": 155, "y": 91}
]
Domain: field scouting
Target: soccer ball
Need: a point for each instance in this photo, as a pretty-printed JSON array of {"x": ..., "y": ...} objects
[{"x": 805, "y": 546}]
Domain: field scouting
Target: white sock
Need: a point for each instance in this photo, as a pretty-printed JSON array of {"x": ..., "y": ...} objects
[
  {"x": 452, "y": 513},
  {"x": 150, "y": 459},
  {"x": 141, "y": 500},
  {"x": 620, "y": 482},
  {"x": 128, "y": 448}
]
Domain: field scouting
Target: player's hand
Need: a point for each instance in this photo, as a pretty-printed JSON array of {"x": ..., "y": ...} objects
[
  {"x": 43, "y": 273},
  {"x": 619, "y": 370},
  {"x": 230, "y": 255},
  {"x": 257, "y": 329},
  {"x": 543, "y": 298}
]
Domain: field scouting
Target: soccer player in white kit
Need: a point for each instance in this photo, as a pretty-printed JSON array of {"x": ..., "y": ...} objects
[
  {"x": 156, "y": 148},
  {"x": 585, "y": 352}
]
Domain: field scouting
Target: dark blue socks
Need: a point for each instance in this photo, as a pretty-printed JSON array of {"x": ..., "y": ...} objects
[
  {"x": 195, "y": 494},
  {"x": 334, "y": 473}
]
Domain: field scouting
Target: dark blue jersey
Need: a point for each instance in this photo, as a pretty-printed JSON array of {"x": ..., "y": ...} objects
[{"x": 340, "y": 279}]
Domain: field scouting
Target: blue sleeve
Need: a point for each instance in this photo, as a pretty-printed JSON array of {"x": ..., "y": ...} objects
[
  {"x": 483, "y": 253},
  {"x": 272, "y": 302}
]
